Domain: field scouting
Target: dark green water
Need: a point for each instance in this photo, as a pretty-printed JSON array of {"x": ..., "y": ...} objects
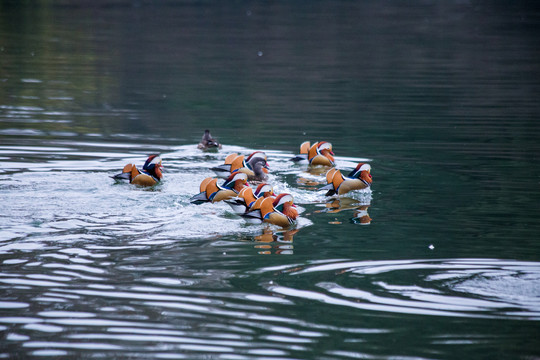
[{"x": 441, "y": 97}]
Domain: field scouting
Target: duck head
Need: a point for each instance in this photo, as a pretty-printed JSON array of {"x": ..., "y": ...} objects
[
  {"x": 285, "y": 204},
  {"x": 264, "y": 190},
  {"x": 153, "y": 166},
  {"x": 325, "y": 149},
  {"x": 255, "y": 158},
  {"x": 237, "y": 180},
  {"x": 206, "y": 135},
  {"x": 362, "y": 172},
  {"x": 260, "y": 168},
  {"x": 324, "y": 145},
  {"x": 256, "y": 154}
]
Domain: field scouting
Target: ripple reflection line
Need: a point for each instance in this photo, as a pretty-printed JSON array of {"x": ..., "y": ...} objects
[
  {"x": 66, "y": 345},
  {"x": 313, "y": 295}
]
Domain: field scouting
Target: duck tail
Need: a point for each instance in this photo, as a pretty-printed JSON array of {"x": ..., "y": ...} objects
[
  {"x": 199, "y": 198},
  {"x": 127, "y": 173}
]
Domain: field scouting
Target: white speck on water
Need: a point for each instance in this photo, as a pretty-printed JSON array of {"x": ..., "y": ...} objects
[
  {"x": 260, "y": 53},
  {"x": 431, "y": 247}
]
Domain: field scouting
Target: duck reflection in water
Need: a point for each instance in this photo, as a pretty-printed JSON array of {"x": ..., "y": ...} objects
[
  {"x": 306, "y": 182},
  {"x": 336, "y": 205},
  {"x": 311, "y": 177},
  {"x": 273, "y": 241}
]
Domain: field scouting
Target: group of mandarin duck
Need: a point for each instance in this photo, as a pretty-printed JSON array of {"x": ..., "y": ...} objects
[{"x": 238, "y": 171}]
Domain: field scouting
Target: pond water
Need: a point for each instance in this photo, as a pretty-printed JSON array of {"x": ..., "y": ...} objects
[{"x": 440, "y": 259}]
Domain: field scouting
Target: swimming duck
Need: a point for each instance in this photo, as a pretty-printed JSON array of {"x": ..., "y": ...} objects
[
  {"x": 359, "y": 178},
  {"x": 150, "y": 175},
  {"x": 208, "y": 142},
  {"x": 259, "y": 168},
  {"x": 247, "y": 197},
  {"x": 210, "y": 191},
  {"x": 320, "y": 153},
  {"x": 255, "y": 166},
  {"x": 279, "y": 211}
]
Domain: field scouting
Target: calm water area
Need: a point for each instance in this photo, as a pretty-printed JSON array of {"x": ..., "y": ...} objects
[{"x": 440, "y": 259}]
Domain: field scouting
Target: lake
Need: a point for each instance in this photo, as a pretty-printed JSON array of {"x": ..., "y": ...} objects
[{"x": 439, "y": 259}]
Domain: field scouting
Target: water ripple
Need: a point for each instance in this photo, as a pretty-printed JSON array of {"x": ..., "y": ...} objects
[
  {"x": 481, "y": 288},
  {"x": 83, "y": 215},
  {"x": 71, "y": 345}
]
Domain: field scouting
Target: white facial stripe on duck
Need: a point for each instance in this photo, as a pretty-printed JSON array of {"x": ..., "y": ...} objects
[
  {"x": 324, "y": 145},
  {"x": 263, "y": 188},
  {"x": 256, "y": 155},
  {"x": 282, "y": 199},
  {"x": 152, "y": 160},
  {"x": 153, "y": 167},
  {"x": 229, "y": 183},
  {"x": 254, "y": 160},
  {"x": 358, "y": 170}
]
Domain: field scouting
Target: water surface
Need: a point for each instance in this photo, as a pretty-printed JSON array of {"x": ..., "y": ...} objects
[{"x": 439, "y": 260}]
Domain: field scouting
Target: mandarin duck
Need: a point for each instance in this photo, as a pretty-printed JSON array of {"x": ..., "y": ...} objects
[
  {"x": 255, "y": 166},
  {"x": 208, "y": 142},
  {"x": 278, "y": 211},
  {"x": 150, "y": 175},
  {"x": 259, "y": 168},
  {"x": 358, "y": 179},
  {"x": 320, "y": 153},
  {"x": 210, "y": 191},
  {"x": 247, "y": 197}
]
